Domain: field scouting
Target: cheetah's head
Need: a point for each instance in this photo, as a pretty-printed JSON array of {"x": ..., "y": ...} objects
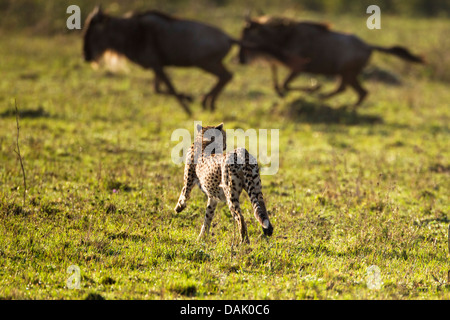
[{"x": 213, "y": 139}]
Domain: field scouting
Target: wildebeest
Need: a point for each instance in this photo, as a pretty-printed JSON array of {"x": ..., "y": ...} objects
[
  {"x": 155, "y": 40},
  {"x": 329, "y": 52}
]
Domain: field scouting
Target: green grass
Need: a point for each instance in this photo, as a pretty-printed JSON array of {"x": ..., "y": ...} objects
[{"x": 353, "y": 190}]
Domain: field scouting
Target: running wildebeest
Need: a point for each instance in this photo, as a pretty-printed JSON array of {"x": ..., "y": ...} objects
[
  {"x": 329, "y": 52},
  {"x": 154, "y": 40}
]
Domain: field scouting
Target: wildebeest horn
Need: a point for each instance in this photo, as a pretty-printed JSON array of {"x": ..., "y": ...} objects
[
  {"x": 247, "y": 16},
  {"x": 98, "y": 10}
]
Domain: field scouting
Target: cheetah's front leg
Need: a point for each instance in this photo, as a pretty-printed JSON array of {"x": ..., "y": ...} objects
[
  {"x": 190, "y": 179},
  {"x": 184, "y": 196},
  {"x": 185, "y": 193}
]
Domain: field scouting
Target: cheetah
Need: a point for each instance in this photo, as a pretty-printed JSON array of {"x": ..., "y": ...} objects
[{"x": 222, "y": 177}]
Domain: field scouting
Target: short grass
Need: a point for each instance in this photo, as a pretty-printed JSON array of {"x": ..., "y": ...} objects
[{"x": 352, "y": 190}]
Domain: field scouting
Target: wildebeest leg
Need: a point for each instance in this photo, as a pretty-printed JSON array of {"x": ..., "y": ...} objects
[
  {"x": 224, "y": 77},
  {"x": 157, "y": 85},
  {"x": 274, "y": 70},
  {"x": 162, "y": 76},
  {"x": 340, "y": 89},
  {"x": 292, "y": 76},
  {"x": 362, "y": 93}
]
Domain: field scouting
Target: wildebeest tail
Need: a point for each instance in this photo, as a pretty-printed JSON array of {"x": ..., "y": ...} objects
[
  {"x": 401, "y": 52},
  {"x": 293, "y": 61}
]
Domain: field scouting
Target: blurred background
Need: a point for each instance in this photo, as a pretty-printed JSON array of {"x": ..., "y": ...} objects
[
  {"x": 48, "y": 18},
  {"x": 353, "y": 189}
]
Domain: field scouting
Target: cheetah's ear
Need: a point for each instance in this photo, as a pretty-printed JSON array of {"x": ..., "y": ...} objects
[
  {"x": 199, "y": 128},
  {"x": 220, "y": 127}
]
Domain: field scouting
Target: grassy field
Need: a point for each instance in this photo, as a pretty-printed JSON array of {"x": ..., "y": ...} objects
[{"x": 352, "y": 190}]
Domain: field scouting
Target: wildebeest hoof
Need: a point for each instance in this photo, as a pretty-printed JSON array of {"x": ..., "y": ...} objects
[
  {"x": 205, "y": 101},
  {"x": 280, "y": 93},
  {"x": 317, "y": 87}
]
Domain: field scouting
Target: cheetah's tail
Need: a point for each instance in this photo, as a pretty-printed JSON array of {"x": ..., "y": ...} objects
[
  {"x": 260, "y": 212},
  {"x": 253, "y": 185}
]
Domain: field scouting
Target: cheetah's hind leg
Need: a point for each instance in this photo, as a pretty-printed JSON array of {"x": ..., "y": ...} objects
[
  {"x": 209, "y": 215},
  {"x": 232, "y": 192}
]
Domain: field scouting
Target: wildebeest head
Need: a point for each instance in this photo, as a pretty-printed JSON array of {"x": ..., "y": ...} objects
[
  {"x": 263, "y": 30},
  {"x": 95, "y": 41}
]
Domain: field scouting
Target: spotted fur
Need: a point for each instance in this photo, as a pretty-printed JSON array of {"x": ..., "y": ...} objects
[{"x": 222, "y": 177}]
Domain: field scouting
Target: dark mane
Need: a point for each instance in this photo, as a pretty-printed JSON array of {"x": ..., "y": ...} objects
[
  {"x": 287, "y": 22},
  {"x": 319, "y": 25},
  {"x": 155, "y": 13},
  {"x": 276, "y": 21}
]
